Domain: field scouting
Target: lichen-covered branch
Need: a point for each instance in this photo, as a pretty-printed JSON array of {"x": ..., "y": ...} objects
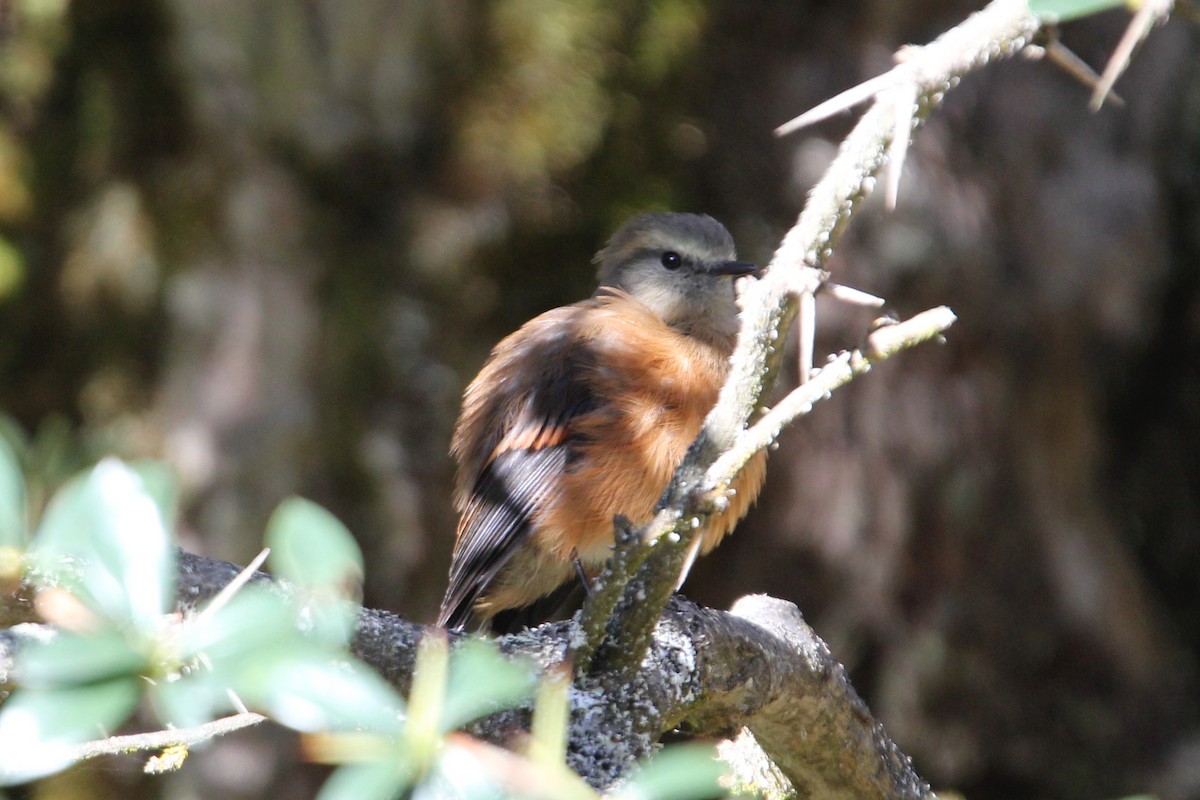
[
  {"x": 710, "y": 672},
  {"x": 787, "y": 689}
]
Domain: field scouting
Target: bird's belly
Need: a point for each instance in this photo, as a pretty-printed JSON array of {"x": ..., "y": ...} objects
[
  {"x": 622, "y": 473},
  {"x": 586, "y": 518}
]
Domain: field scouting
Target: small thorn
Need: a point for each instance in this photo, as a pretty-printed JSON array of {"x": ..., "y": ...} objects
[
  {"x": 806, "y": 322},
  {"x": 843, "y": 101},
  {"x": 906, "y": 102},
  {"x": 1151, "y": 12},
  {"x": 851, "y": 296},
  {"x": 1063, "y": 57}
]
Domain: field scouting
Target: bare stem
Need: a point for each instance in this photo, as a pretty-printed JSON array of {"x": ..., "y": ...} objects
[
  {"x": 841, "y": 369},
  {"x": 167, "y": 739}
]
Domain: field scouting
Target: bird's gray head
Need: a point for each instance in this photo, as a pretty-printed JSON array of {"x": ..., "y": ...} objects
[{"x": 682, "y": 267}]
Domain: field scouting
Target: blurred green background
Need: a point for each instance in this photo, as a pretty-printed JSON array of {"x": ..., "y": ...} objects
[{"x": 271, "y": 241}]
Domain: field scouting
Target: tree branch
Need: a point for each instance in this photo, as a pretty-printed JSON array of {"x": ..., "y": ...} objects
[
  {"x": 842, "y": 368},
  {"x": 708, "y": 672},
  {"x": 617, "y": 627},
  {"x": 800, "y": 707}
]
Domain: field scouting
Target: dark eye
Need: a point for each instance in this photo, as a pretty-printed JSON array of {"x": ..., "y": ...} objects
[{"x": 671, "y": 260}]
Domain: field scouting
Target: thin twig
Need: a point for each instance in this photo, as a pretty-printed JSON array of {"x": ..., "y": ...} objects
[
  {"x": 161, "y": 740},
  {"x": 234, "y": 586},
  {"x": 842, "y": 369},
  {"x": 1151, "y": 13},
  {"x": 1066, "y": 59}
]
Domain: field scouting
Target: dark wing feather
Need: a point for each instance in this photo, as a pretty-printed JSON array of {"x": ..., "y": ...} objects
[
  {"x": 496, "y": 522},
  {"x": 524, "y": 455}
]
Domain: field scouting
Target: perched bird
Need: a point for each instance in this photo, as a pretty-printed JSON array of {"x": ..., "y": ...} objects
[{"x": 585, "y": 412}]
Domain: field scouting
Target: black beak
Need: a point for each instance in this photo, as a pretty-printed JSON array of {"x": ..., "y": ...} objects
[{"x": 735, "y": 268}]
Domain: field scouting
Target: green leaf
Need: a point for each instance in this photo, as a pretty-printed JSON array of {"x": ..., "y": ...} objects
[
  {"x": 331, "y": 620},
  {"x": 309, "y": 691},
  {"x": 252, "y": 647},
  {"x": 1062, "y": 10},
  {"x": 162, "y": 484},
  {"x": 469, "y": 772},
  {"x": 256, "y": 625},
  {"x": 312, "y": 549},
  {"x": 102, "y": 536},
  {"x": 302, "y": 688},
  {"x": 551, "y": 717},
  {"x": 679, "y": 772},
  {"x": 380, "y": 780},
  {"x": 257, "y": 618},
  {"x": 12, "y": 498},
  {"x": 40, "y": 726},
  {"x": 72, "y": 660},
  {"x": 193, "y": 699},
  {"x": 483, "y": 681},
  {"x": 426, "y": 700}
]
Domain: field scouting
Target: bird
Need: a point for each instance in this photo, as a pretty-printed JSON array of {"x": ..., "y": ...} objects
[{"x": 585, "y": 412}]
